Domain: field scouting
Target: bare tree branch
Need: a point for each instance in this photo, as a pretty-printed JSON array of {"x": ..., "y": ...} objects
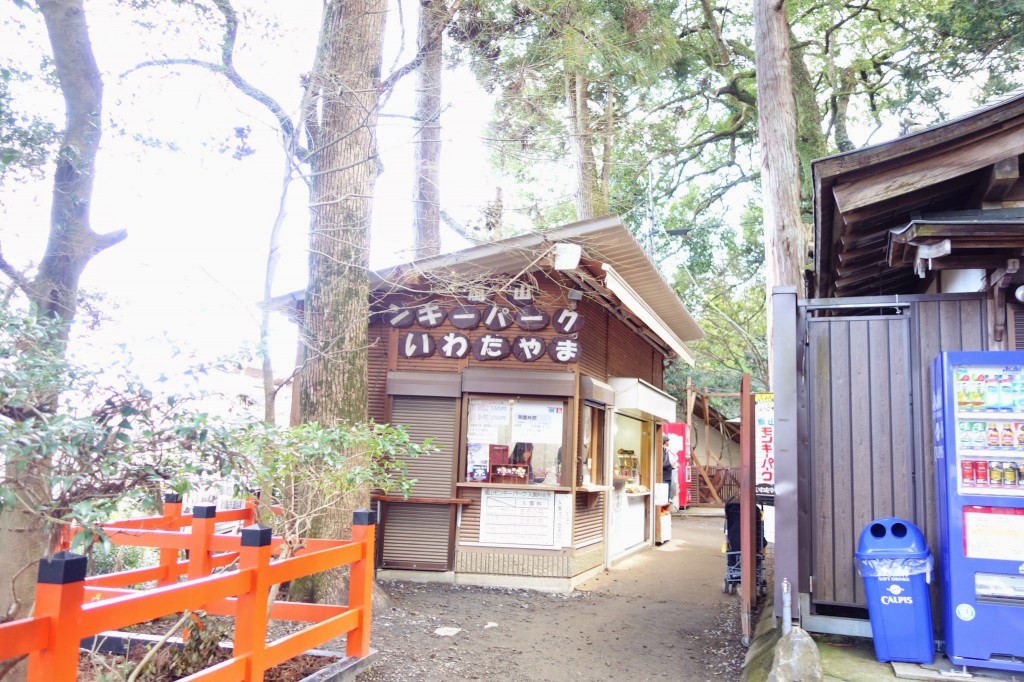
[
  {"x": 388, "y": 84},
  {"x": 19, "y": 279}
]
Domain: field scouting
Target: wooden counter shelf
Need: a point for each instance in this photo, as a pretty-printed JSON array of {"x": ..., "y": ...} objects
[{"x": 421, "y": 500}]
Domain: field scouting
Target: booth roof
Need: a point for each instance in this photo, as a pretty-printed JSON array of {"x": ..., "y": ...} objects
[{"x": 605, "y": 241}]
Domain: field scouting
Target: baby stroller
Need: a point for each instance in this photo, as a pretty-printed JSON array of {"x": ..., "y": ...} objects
[{"x": 733, "y": 556}]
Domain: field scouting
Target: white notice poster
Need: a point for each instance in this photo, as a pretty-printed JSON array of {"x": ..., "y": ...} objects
[
  {"x": 563, "y": 520},
  {"x": 517, "y": 517},
  {"x": 993, "y": 533},
  {"x": 537, "y": 423},
  {"x": 486, "y": 419}
]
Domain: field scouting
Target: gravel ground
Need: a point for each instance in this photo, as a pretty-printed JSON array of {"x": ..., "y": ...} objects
[{"x": 659, "y": 615}]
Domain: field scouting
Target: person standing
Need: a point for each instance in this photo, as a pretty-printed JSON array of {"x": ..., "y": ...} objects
[{"x": 669, "y": 461}]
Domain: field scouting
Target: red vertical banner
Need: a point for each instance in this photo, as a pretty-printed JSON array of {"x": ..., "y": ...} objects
[{"x": 679, "y": 444}]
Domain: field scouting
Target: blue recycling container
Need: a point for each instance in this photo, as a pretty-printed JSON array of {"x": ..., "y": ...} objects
[{"x": 894, "y": 561}]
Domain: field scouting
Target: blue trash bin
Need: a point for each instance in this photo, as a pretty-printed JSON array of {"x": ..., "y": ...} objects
[{"x": 894, "y": 561}]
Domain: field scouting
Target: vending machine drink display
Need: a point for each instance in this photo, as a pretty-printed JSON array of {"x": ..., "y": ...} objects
[{"x": 978, "y": 408}]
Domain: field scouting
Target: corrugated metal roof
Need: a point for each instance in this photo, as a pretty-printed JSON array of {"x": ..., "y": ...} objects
[{"x": 605, "y": 240}]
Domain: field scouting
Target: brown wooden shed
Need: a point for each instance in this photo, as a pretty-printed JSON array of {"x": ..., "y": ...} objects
[
  {"x": 917, "y": 245},
  {"x": 536, "y": 366}
]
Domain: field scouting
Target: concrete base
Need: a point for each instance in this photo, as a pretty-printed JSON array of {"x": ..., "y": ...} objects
[
  {"x": 943, "y": 669},
  {"x": 519, "y": 582},
  {"x": 831, "y": 625},
  {"x": 441, "y": 577}
]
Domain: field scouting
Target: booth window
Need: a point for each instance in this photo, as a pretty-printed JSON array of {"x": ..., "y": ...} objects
[
  {"x": 514, "y": 440},
  {"x": 590, "y": 467}
]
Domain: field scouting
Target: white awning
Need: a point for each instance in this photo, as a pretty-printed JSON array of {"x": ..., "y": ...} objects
[{"x": 639, "y": 398}]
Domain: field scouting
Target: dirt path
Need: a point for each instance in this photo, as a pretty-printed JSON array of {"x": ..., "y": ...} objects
[{"x": 659, "y": 615}]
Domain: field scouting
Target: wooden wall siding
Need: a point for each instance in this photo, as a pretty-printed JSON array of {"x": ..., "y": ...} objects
[
  {"x": 862, "y": 449},
  {"x": 377, "y": 375},
  {"x": 957, "y": 324},
  {"x": 631, "y": 356},
  {"x": 594, "y": 337},
  {"x": 589, "y": 522},
  {"x": 469, "y": 527},
  {"x": 416, "y": 537}
]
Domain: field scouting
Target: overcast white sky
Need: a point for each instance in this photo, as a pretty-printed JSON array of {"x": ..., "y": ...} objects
[{"x": 198, "y": 221}]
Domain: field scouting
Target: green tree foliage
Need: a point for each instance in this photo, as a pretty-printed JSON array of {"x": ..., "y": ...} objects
[
  {"x": 721, "y": 281},
  {"x": 113, "y": 443},
  {"x": 571, "y": 79},
  {"x": 109, "y": 438},
  {"x": 26, "y": 140}
]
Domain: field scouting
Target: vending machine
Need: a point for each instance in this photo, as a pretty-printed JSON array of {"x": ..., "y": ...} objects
[
  {"x": 978, "y": 408},
  {"x": 678, "y": 442}
]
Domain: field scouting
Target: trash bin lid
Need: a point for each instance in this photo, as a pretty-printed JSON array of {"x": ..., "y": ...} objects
[{"x": 891, "y": 538}]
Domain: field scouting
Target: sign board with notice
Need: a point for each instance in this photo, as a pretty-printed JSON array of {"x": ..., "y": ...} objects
[{"x": 764, "y": 444}]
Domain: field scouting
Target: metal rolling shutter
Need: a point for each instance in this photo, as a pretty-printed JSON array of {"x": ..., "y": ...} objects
[{"x": 418, "y": 536}]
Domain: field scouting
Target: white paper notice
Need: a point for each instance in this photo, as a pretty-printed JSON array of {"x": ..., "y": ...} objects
[
  {"x": 993, "y": 533},
  {"x": 486, "y": 419},
  {"x": 537, "y": 423},
  {"x": 563, "y": 520},
  {"x": 517, "y": 517}
]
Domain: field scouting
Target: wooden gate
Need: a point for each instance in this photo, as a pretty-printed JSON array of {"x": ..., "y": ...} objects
[{"x": 865, "y": 425}]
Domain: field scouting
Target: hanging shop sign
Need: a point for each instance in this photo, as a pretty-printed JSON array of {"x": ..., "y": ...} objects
[
  {"x": 465, "y": 317},
  {"x": 454, "y": 345},
  {"x": 764, "y": 443},
  {"x": 430, "y": 315},
  {"x": 488, "y": 346},
  {"x": 418, "y": 345},
  {"x": 566, "y": 321},
  {"x": 491, "y": 347},
  {"x": 531, "y": 318},
  {"x": 497, "y": 318}
]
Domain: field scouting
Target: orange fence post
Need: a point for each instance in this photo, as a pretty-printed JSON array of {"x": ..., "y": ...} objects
[
  {"x": 169, "y": 556},
  {"x": 200, "y": 558},
  {"x": 59, "y": 591},
  {"x": 360, "y": 587},
  {"x": 252, "y": 610}
]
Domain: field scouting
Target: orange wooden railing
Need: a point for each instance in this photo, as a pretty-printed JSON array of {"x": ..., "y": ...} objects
[{"x": 70, "y": 607}]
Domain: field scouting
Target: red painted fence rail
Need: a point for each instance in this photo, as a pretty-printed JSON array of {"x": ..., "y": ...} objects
[{"x": 70, "y": 607}]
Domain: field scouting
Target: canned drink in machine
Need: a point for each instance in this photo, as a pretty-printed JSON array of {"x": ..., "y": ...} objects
[
  {"x": 981, "y": 473},
  {"x": 1010, "y": 475},
  {"x": 995, "y": 474},
  {"x": 967, "y": 473}
]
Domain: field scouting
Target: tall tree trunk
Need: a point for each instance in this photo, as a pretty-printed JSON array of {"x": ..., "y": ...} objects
[
  {"x": 588, "y": 194},
  {"x": 810, "y": 140},
  {"x": 54, "y": 290},
  {"x": 344, "y": 168},
  {"x": 780, "y": 164},
  {"x": 427, "y": 163}
]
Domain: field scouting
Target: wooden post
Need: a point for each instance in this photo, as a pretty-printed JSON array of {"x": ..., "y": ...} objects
[
  {"x": 707, "y": 430},
  {"x": 360, "y": 588},
  {"x": 200, "y": 558},
  {"x": 750, "y": 549},
  {"x": 252, "y": 610},
  {"x": 169, "y": 555},
  {"x": 59, "y": 593}
]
